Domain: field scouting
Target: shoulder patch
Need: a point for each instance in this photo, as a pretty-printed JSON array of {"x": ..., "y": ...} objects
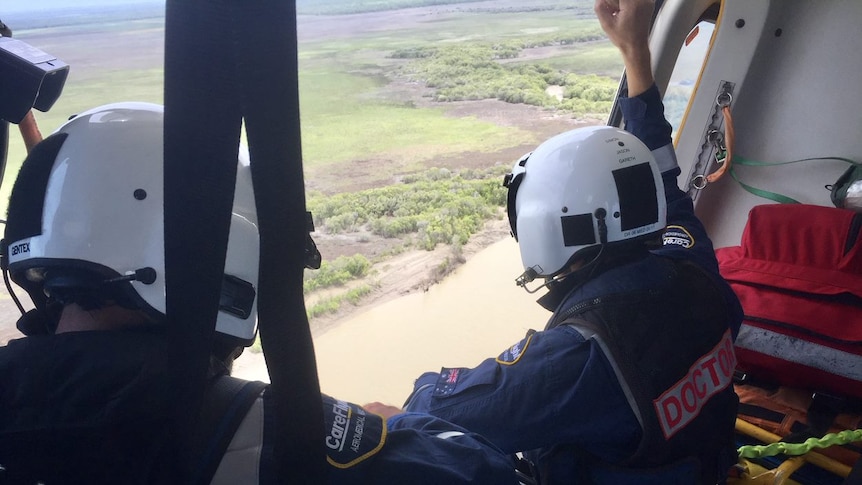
[
  {"x": 448, "y": 381},
  {"x": 678, "y": 236},
  {"x": 352, "y": 434},
  {"x": 514, "y": 353}
]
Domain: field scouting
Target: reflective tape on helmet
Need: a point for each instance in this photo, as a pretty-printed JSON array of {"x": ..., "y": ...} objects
[{"x": 683, "y": 401}]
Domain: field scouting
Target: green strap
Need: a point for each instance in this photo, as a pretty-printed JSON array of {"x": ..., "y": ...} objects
[
  {"x": 754, "y": 163},
  {"x": 781, "y": 199},
  {"x": 796, "y": 449}
]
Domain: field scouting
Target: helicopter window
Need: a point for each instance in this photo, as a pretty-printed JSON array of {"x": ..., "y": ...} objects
[{"x": 686, "y": 71}]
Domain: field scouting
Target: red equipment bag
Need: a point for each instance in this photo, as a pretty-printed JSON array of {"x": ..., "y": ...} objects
[{"x": 798, "y": 276}]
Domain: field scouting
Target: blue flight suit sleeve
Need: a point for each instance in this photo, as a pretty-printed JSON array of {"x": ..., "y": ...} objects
[
  {"x": 412, "y": 448},
  {"x": 421, "y": 448},
  {"x": 685, "y": 236},
  {"x": 520, "y": 399}
]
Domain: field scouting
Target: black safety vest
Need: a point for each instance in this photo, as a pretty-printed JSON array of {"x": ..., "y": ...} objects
[
  {"x": 83, "y": 407},
  {"x": 667, "y": 337},
  {"x": 93, "y": 408}
]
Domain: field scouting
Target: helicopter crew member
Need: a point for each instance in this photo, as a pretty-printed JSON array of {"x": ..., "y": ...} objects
[
  {"x": 630, "y": 381},
  {"x": 84, "y": 396}
]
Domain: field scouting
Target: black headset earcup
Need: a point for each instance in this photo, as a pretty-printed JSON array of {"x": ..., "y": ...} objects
[{"x": 35, "y": 322}]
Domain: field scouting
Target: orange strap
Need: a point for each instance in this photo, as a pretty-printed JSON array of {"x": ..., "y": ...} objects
[{"x": 729, "y": 135}]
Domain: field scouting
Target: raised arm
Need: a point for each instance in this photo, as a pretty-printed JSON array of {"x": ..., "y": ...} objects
[{"x": 627, "y": 24}]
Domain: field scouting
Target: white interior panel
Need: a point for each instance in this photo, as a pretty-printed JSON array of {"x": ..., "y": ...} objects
[{"x": 795, "y": 66}]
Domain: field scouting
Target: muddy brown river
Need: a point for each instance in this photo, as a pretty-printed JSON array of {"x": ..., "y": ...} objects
[{"x": 475, "y": 313}]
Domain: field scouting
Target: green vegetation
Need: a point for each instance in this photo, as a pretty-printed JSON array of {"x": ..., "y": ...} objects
[
  {"x": 435, "y": 207},
  {"x": 336, "y": 273},
  {"x": 598, "y": 58},
  {"x": 330, "y": 7},
  {"x": 510, "y": 49},
  {"x": 345, "y": 119},
  {"x": 326, "y": 306},
  {"x": 332, "y": 304},
  {"x": 449, "y": 264},
  {"x": 474, "y": 71},
  {"x": 334, "y": 7}
]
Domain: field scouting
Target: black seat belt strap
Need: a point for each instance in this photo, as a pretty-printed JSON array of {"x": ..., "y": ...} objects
[
  {"x": 202, "y": 128},
  {"x": 270, "y": 101},
  {"x": 225, "y": 61}
]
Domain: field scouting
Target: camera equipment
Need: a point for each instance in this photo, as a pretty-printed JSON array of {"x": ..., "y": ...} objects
[{"x": 29, "y": 78}]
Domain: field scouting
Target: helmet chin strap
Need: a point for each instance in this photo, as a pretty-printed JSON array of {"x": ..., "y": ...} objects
[
  {"x": 530, "y": 274},
  {"x": 526, "y": 277}
]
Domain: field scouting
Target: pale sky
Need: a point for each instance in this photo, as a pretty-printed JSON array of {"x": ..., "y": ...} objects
[{"x": 10, "y": 6}]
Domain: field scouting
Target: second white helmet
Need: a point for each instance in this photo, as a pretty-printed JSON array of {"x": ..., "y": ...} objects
[
  {"x": 87, "y": 209},
  {"x": 583, "y": 188}
]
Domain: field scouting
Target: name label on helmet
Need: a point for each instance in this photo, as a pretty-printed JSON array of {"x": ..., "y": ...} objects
[
  {"x": 712, "y": 373},
  {"x": 19, "y": 250},
  {"x": 640, "y": 230}
]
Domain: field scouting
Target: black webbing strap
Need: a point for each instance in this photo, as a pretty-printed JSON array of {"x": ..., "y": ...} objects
[
  {"x": 202, "y": 129},
  {"x": 268, "y": 65},
  {"x": 226, "y": 60}
]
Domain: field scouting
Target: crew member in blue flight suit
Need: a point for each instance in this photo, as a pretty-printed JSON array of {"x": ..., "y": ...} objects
[
  {"x": 83, "y": 397},
  {"x": 630, "y": 381}
]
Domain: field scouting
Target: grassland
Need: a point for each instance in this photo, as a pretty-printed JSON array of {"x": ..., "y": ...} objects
[
  {"x": 333, "y": 7},
  {"x": 346, "y": 119}
]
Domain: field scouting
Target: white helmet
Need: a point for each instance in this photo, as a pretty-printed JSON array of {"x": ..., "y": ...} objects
[
  {"x": 581, "y": 189},
  {"x": 88, "y": 202}
]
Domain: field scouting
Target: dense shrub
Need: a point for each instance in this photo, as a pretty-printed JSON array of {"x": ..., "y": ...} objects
[
  {"x": 437, "y": 205},
  {"x": 337, "y": 272},
  {"x": 473, "y": 72},
  {"x": 334, "y": 7}
]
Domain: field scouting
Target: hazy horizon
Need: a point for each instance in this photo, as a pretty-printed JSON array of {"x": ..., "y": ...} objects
[{"x": 24, "y": 6}]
